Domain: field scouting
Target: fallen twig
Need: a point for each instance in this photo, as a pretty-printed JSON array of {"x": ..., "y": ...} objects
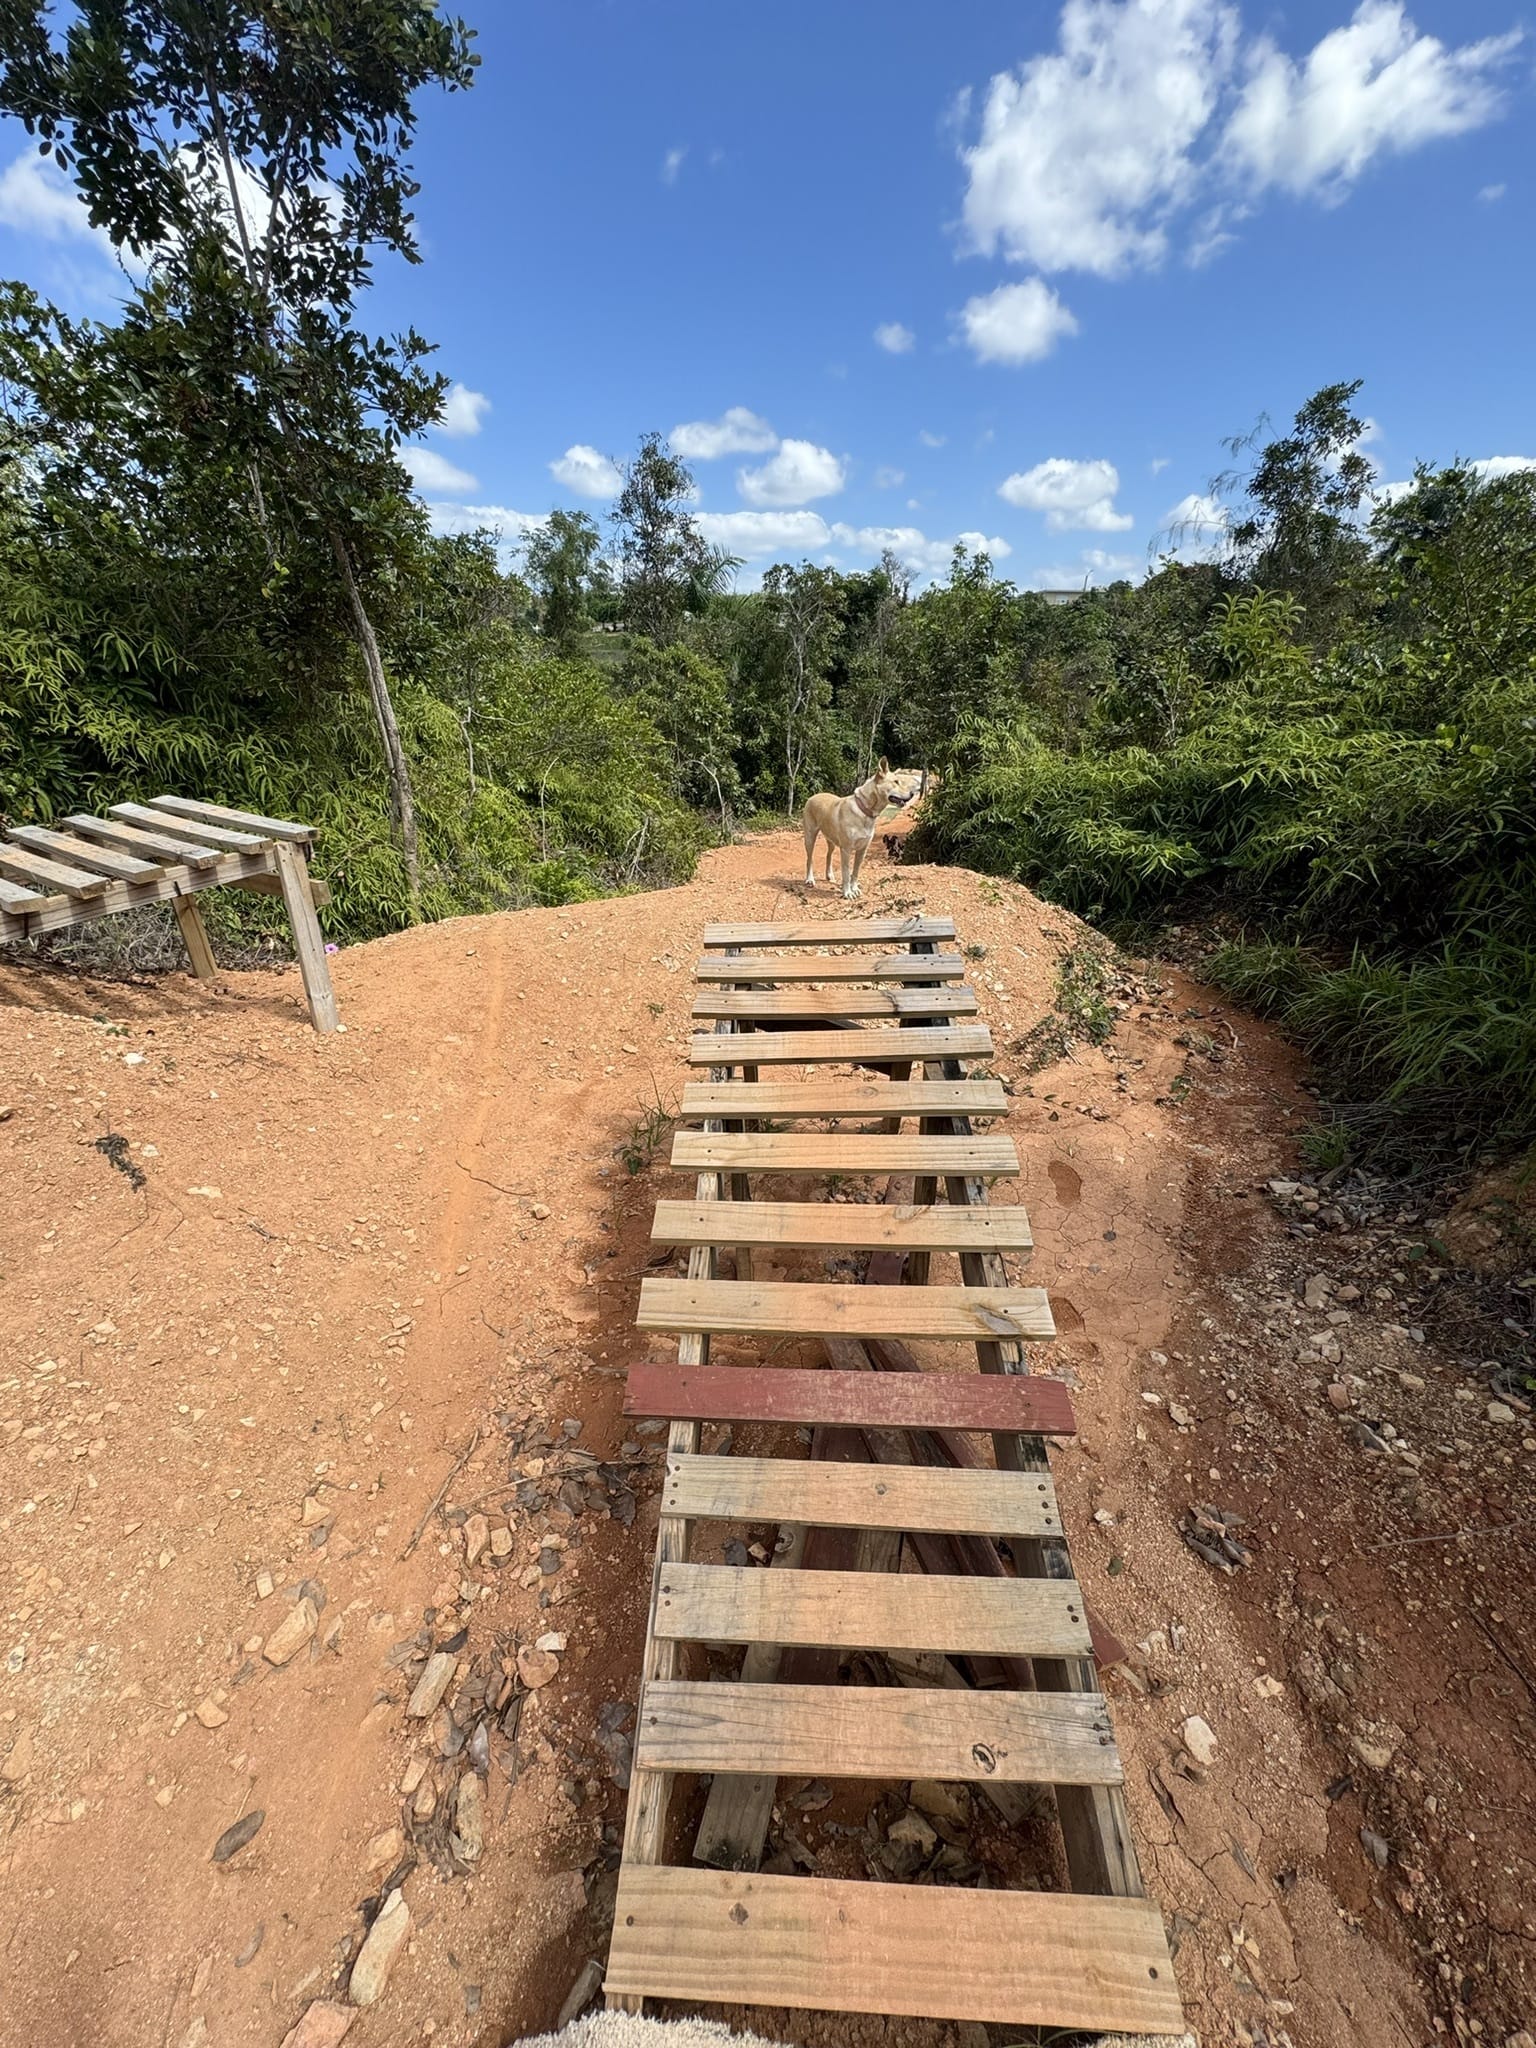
[{"x": 442, "y": 1492}]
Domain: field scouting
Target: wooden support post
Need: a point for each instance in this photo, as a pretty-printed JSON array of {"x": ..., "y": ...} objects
[
  {"x": 293, "y": 876},
  {"x": 194, "y": 936}
]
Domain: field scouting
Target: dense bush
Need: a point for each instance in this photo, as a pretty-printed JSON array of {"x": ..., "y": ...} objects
[{"x": 1365, "y": 803}]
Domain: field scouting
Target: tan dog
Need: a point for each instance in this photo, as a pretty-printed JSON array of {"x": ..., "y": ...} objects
[{"x": 847, "y": 823}]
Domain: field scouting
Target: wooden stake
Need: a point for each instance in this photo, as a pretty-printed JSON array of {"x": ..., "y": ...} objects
[
  {"x": 293, "y": 875},
  {"x": 194, "y": 936}
]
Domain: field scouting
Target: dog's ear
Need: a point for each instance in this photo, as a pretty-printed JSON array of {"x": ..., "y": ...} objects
[{"x": 885, "y": 766}]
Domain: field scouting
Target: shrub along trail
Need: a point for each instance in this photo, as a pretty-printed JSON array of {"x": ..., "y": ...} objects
[{"x": 322, "y": 1283}]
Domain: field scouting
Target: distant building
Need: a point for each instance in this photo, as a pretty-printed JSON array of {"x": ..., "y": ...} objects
[{"x": 1060, "y": 596}]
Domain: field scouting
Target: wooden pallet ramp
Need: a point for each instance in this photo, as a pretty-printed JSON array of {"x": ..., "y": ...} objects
[{"x": 918, "y": 1616}]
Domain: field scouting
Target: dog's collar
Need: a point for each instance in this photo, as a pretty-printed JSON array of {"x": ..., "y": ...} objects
[{"x": 858, "y": 797}]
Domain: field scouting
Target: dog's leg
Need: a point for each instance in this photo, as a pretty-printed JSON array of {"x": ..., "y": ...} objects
[
  {"x": 850, "y": 885},
  {"x": 858, "y": 862},
  {"x": 810, "y": 855}
]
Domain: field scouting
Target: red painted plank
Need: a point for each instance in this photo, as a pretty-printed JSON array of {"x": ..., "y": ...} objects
[{"x": 755, "y": 1393}]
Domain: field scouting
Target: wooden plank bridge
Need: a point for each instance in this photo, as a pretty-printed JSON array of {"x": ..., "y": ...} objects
[{"x": 991, "y": 1679}]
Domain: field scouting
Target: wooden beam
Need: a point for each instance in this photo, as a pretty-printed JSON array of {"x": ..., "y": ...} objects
[
  {"x": 245, "y": 821},
  {"x": 170, "y": 826},
  {"x": 52, "y": 875},
  {"x": 61, "y": 912},
  {"x": 844, "y": 1152},
  {"x": 846, "y": 1095},
  {"x": 134, "y": 839},
  {"x": 820, "y": 1309},
  {"x": 856, "y": 1400},
  {"x": 194, "y": 936},
  {"x": 868, "y": 931},
  {"x": 841, "y": 1226},
  {"x": 293, "y": 876},
  {"x": 842, "y": 1001},
  {"x": 709, "y": 1603},
  {"x": 878, "y": 1732},
  {"x": 898, "y": 967},
  {"x": 875, "y": 1047},
  {"x": 861, "y": 1496},
  {"x": 79, "y": 853},
  {"x": 1047, "y": 1959}
]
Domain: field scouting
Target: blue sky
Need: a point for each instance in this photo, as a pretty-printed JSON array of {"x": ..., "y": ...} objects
[{"x": 902, "y": 272}]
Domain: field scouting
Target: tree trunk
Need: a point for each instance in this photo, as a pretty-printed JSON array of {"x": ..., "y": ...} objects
[{"x": 401, "y": 800}]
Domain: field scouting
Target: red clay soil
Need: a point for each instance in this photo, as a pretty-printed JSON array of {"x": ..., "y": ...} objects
[{"x": 320, "y": 1282}]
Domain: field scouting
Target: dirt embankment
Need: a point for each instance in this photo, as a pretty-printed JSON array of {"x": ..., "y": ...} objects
[{"x": 266, "y": 1293}]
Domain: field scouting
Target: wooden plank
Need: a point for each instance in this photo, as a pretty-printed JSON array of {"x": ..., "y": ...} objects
[
  {"x": 314, "y": 968},
  {"x": 866, "y": 931},
  {"x": 819, "y": 1309},
  {"x": 899, "y": 967},
  {"x": 835, "y": 1496},
  {"x": 836, "y": 1002},
  {"x": 60, "y": 912},
  {"x": 860, "y": 1400},
  {"x": 153, "y": 845},
  {"x": 863, "y": 1731},
  {"x": 15, "y": 899},
  {"x": 269, "y": 885},
  {"x": 242, "y": 821},
  {"x": 79, "y": 853},
  {"x": 874, "y": 1226},
  {"x": 54, "y": 876},
  {"x": 843, "y": 1095},
  {"x": 852, "y": 1048},
  {"x": 1046, "y": 1959},
  {"x": 172, "y": 827},
  {"x": 844, "y": 1152},
  {"x": 717, "y": 1603}
]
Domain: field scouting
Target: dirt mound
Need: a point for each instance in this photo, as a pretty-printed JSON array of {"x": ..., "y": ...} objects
[{"x": 275, "y": 1304}]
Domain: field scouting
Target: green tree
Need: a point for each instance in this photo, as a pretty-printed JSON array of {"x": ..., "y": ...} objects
[
  {"x": 663, "y": 555},
  {"x": 257, "y": 157},
  {"x": 558, "y": 557}
]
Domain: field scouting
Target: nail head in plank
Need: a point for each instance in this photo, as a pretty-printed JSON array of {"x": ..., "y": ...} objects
[
  {"x": 843, "y": 1001},
  {"x": 243, "y": 821},
  {"x": 869, "y": 931},
  {"x": 873, "y": 1047},
  {"x": 843, "y": 1095},
  {"x": 827, "y": 1495},
  {"x": 56, "y": 877},
  {"x": 79, "y": 853},
  {"x": 174, "y": 827},
  {"x": 825, "y": 1308},
  {"x": 1048, "y": 1959},
  {"x": 719, "y": 1603},
  {"x": 863, "y": 1731},
  {"x": 898, "y": 967},
  {"x": 1036, "y": 1404},
  {"x": 844, "y": 1152},
  {"x": 154, "y": 845},
  {"x": 863, "y": 1226}
]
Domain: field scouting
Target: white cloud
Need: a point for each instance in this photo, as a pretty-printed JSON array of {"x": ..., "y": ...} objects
[
  {"x": 761, "y": 537},
  {"x": 1491, "y": 194},
  {"x": 799, "y": 471},
  {"x": 37, "y": 198},
  {"x": 454, "y": 518},
  {"x": 1492, "y": 467},
  {"x": 1089, "y": 157},
  {"x": 1194, "y": 530},
  {"x": 463, "y": 411},
  {"x": 895, "y": 339},
  {"x": 581, "y": 469},
  {"x": 672, "y": 164},
  {"x": 736, "y": 432},
  {"x": 931, "y": 440},
  {"x": 888, "y": 479},
  {"x": 1072, "y": 495},
  {"x": 1159, "y": 463},
  {"x": 758, "y": 535},
  {"x": 1374, "y": 87},
  {"x": 434, "y": 475},
  {"x": 1017, "y": 323}
]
